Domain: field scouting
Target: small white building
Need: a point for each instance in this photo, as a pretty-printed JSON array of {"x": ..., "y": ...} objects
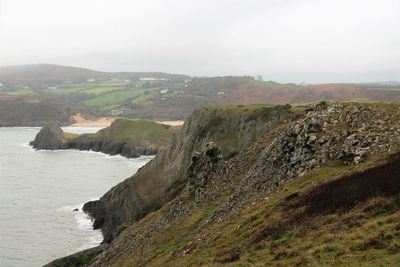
[
  {"x": 152, "y": 79},
  {"x": 116, "y": 112}
]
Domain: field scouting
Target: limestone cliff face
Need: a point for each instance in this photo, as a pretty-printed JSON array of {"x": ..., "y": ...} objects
[
  {"x": 50, "y": 137},
  {"x": 166, "y": 175}
]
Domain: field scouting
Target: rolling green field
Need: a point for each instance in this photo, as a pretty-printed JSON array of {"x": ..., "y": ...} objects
[
  {"x": 101, "y": 90},
  {"x": 114, "y": 97},
  {"x": 67, "y": 90},
  {"x": 21, "y": 92},
  {"x": 393, "y": 89},
  {"x": 146, "y": 96}
]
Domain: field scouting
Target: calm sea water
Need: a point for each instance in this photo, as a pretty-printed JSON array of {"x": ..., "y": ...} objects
[{"x": 39, "y": 191}]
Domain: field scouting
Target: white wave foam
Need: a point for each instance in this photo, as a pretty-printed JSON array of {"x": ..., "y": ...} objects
[
  {"x": 82, "y": 220},
  {"x": 146, "y": 157},
  {"x": 26, "y": 145},
  {"x": 50, "y": 151},
  {"x": 88, "y": 151},
  {"x": 92, "y": 241},
  {"x": 84, "y": 224},
  {"x": 70, "y": 208},
  {"x": 106, "y": 156},
  {"x": 27, "y": 128}
]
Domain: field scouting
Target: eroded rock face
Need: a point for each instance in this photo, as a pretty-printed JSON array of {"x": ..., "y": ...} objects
[
  {"x": 312, "y": 141},
  {"x": 109, "y": 147},
  {"x": 165, "y": 176},
  {"x": 203, "y": 164},
  {"x": 50, "y": 137}
]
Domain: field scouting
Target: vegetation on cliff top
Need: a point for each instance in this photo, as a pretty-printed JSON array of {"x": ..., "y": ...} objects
[{"x": 137, "y": 132}]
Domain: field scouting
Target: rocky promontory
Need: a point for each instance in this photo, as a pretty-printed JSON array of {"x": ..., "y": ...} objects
[{"x": 129, "y": 138}]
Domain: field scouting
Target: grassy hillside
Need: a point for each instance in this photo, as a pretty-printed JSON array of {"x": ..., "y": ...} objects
[
  {"x": 134, "y": 133},
  {"x": 35, "y": 110},
  {"x": 327, "y": 217},
  {"x": 114, "y": 98},
  {"x": 138, "y": 132}
]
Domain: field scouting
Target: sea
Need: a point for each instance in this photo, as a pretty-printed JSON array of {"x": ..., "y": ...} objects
[{"x": 39, "y": 191}]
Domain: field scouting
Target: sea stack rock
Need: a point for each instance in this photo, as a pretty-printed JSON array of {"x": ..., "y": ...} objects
[{"x": 50, "y": 137}]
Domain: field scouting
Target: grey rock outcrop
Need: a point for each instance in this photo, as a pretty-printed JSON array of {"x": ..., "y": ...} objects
[
  {"x": 50, "y": 137},
  {"x": 312, "y": 141}
]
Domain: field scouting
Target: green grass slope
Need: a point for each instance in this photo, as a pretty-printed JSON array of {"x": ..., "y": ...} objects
[
  {"x": 138, "y": 132},
  {"x": 133, "y": 132},
  {"x": 329, "y": 217}
]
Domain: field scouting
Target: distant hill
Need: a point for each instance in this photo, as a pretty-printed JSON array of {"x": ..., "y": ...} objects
[
  {"x": 35, "y": 110},
  {"x": 35, "y": 75},
  {"x": 43, "y": 75},
  {"x": 155, "y": 95}
]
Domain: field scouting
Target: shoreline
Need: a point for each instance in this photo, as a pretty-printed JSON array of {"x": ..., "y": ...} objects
[{"x": 74, "y": 227}]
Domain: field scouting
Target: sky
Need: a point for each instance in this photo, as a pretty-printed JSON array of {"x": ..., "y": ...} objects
[{"x": 283, "y": 40}]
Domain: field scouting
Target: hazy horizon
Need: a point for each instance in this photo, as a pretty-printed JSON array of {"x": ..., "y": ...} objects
[{"x": 285, "y": 41}]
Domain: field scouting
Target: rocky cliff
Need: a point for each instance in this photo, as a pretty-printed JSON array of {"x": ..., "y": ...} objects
[
  {"x": 257, "y": 185},
  {"x": 232, "y": 128}
]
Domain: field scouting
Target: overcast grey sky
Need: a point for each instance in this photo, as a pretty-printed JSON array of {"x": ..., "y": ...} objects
[{"x": 282, "y": 40}]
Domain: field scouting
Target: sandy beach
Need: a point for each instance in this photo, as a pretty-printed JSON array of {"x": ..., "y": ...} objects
[
  {"x": 80, "y": 121},
  {"x": 171, "y": 123},
  {"x": 99, "y": 122}
]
